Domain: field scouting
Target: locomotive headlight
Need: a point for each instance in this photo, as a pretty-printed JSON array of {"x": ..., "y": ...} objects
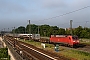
[
  {"x": 77, "y": 41},
  {"x": 73, "y": 41}
]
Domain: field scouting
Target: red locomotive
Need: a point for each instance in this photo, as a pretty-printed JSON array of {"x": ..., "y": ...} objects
[{"x": 65, "y": 39}]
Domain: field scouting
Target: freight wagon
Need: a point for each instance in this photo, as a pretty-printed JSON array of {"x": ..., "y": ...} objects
[
  {"x": 25, "y": 36},
  {"x": 65, "y": 39},
  {"x": 31, "y": 36},
  {"x": 36, "y": 37}
]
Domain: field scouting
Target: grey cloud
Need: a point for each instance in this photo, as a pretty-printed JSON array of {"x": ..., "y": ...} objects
[
  {"x": 59, "y": 7},
  {"x": 79, "y": 3},
  {"x": 53, "y": 4},
  {"x": 10, "y": 7},
  {"x": 44, "y": 9}
]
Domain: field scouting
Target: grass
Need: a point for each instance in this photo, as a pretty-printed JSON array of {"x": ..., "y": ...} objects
[
  {"x": 38, "y": 44},
  {"x": 85, "y": 41},
  {"x": 70, "y": 53},
  {"x": 79, "y": 55},
  {"x": 4, "y": 54}
]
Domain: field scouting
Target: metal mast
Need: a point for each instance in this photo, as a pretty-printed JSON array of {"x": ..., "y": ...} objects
[
  {"x": 29, "y": 29},
  {"x": 71, "y": 27}
]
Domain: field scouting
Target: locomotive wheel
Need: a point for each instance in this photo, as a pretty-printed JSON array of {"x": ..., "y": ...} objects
[{"x": 71, "y": 46}]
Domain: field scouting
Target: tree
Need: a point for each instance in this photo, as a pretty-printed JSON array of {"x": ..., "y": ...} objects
[
  {"x": 78, "y": 31},
  {"x": 61, "y": 31},
  {"x": 85, "y": 34},
  {"x": 54, "y": 30},
  {"x": 67, "y": 32},
  {"x": 33, "y": 28},
  {"x": 20, "y": 29},
  {"x": 44, "y": 30}
]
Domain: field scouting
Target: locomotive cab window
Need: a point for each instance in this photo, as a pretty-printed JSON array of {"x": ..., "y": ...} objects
[{"x": 75, "y": 38}]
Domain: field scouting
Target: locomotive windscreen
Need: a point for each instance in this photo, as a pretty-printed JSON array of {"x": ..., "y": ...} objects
[{"x": 75, "y": 37}]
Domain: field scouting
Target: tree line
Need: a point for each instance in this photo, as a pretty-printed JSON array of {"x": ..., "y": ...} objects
[{"x": 47, "y": 30}]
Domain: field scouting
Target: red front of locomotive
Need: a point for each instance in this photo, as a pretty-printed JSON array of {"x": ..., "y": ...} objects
[{"x": 75, "y": 40}]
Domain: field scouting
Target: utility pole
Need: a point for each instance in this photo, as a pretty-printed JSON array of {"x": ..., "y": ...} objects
[
  {"x": 71, "y": 27},
  {"x": 4, "y": 31},
  {"x": 8, "y": 30},
  {"x": 25, "y": 30},
  {"x": 85, "y": 25},
  {"x": 14, "y": 37},
  {"x": 14, "y": 32},
  {"x": 29, "y": 29},
  {"x": 38, "y": 29}
]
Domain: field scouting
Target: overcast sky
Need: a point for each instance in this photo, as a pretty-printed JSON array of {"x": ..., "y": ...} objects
[{"x": 18, "y": 12}]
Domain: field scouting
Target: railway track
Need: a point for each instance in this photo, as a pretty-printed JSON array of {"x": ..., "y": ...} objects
[
  {"x": 84, "y": 47},
  {"x": 30, "y": 52},
  {"x": 81, "y": 47}
]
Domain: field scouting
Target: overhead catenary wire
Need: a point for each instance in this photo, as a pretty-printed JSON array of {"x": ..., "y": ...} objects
[
  {"x": 65, "y": 13},
  {"x": 66, "y": 23},
  {"x": 85, "y": 24}
]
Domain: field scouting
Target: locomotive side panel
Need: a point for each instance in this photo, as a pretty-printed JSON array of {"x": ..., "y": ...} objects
[
  {"x": 70, "y": 40},
  {"x": 60, "y": 40}
]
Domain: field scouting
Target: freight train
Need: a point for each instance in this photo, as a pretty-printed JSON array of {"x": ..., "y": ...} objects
[{"x": 55, "y": 39}]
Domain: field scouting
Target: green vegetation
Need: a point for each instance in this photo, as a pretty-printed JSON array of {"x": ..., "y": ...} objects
[
  {"x": 38, "y": 44},
  {"x": 64, "y": 51},
  {"x": 46, "y": 30},
  {"x": 79, "y": 55},
  {"x": 85, "y": 41},
  {"x": 72, "y": 53},
  {"x": 4, "y": 54}
]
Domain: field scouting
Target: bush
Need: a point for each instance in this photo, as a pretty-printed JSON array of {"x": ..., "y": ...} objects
[{"x": 4, "y": 54}]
